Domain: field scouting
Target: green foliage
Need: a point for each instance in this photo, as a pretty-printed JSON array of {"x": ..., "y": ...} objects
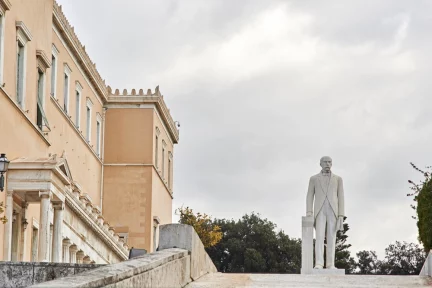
[
  {"x": 368, "y": 262},
  {"x": 343, "y": 259},
  {"x": 422, "y": 195},
  {"x": 209, "y": 233},
  {"x": 401, "y": 258},
  {"x": 251, "y": 245}
]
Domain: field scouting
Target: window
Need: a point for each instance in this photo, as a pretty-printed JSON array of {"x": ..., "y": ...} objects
[
  {"x": 23, "y": 36},
  {"x": 54, "y": 71},
  {"x": 156, "y": 222},
  {"x": 67, "y": 72},
  {"x": 88, "y": 118},
  {"x": 20, "y": 75},
  {"x": 78, "y": 104},
  {"x": 163, "y": 162},
  {"x": 42, "y": 65},
  {"x": 169, "y": 169},
  {"x": 98, "y": 134},
  {"x": 1, "y": 46},
  {"x": 156, "y": 151},
  {"x": 40, "y": 99},
  {"x": 157, "y": 147}
]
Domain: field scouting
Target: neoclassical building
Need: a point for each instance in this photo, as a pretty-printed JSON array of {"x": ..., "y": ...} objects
[{"x": 91, "y": 168}]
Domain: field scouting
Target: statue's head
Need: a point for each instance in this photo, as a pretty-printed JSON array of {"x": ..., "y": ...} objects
[{"x": 326, "y": 163}]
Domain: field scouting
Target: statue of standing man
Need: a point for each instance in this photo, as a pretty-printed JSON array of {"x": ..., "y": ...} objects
[{"x": 325, "y": 202}]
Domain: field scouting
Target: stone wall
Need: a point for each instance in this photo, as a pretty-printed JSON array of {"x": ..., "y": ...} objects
[
  {"x": 181, "y": 260},
  {"x": 167, "y": 268},
  {"x": 427, "y": 266},
  {"x": 24, "y": 274},
  {"x": 184, "y": 237}
]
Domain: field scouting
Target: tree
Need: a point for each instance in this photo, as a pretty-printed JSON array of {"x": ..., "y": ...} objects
[
  {"x": 208, "y": 232},
  {"x": 368, "y": 262},
  {"x": 343, "y": 259},
  {"x": 251, "y": 245},
  {"x": 403, "y": 258},
  {"x": 422, "y": 195}
]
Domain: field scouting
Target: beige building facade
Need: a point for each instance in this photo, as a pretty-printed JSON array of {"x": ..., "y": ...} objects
[{"x": 91, "y": 169}]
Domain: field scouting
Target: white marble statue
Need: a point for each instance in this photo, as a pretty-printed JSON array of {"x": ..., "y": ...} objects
[{"x": 325, "y": 202}]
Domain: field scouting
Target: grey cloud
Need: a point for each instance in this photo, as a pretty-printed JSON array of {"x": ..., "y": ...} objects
[{"x": 338, "y": 82}]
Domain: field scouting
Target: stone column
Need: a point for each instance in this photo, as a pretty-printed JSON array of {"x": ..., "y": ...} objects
[
  {"x": 57, "y": 232},
  {"x": 44, "y": 226},
  {"x": 72, "y": 253},
  {"x": 307, "y": 244},
  {"x": 66, "y": 244},
  {"x": 23, "y": 229},
  {"x": 79, "y": 257},
  {"x": 86, "y": 260},
  {"x": 7, "y": 242}
]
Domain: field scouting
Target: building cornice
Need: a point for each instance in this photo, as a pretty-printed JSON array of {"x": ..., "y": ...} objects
[
  {"x": 67, "y": 31},
  {"x": 23, "y": 32},
  {"x": 44, "y": 61},
  {"x": 150, "y": 98},
  {"x": 4, "y": 6}
]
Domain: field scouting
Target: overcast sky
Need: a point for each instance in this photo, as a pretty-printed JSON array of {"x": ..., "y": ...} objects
[{"x": 263, "y": 89}]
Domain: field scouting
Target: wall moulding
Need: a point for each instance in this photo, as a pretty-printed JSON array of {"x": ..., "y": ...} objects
[{"x": 4, "y": 6}]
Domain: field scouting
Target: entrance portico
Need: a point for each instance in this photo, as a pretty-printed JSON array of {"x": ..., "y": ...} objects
[
  {"x": 42, "y": 180},
  {"x": 67, "y": 227}
]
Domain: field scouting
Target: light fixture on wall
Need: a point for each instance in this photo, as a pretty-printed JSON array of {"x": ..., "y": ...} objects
[
  {"x": 4, "y": 164},
  {"x": 24, "y": 223}
]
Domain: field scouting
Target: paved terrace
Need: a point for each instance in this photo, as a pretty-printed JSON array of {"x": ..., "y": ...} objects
[{"x": 219, "y": 280}]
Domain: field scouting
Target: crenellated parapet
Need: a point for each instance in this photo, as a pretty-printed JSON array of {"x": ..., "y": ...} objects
[
  {"x": 149, "y": 97},
  {"x": 79, "y": 50}
]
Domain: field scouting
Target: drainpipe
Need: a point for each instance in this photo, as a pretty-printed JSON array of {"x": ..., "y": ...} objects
[{"x": 102, "y": 157}]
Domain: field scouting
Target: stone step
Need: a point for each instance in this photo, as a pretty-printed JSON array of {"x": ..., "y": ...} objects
[{"x": 305, "y": 281}]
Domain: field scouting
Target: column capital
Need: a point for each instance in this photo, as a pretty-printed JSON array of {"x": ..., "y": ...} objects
[
  {"x": 66, "y": 243},
  {"x": 58, "y": 205},
  {"x": 45, "y": 194},
  {"x": 73, "y": 248},
  {"x": 9, "y": 193}
]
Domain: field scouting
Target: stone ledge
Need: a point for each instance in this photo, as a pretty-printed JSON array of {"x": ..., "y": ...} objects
[
  {"x": 23, "y": 274},
  {"x": 184, "y": 237},
  {"x": 114, "y": 273}
]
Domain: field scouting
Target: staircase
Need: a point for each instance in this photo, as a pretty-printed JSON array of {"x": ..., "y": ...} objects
[{"x": 219, "y": 280}]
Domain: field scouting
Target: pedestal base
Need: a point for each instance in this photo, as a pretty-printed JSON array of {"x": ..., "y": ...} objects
[{"x": 322, "y": 271}]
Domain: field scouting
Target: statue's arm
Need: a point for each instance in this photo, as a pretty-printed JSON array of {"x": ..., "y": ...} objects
[
  {"x": 310, "y": 198},
  {"x": 341, "y": 198}
]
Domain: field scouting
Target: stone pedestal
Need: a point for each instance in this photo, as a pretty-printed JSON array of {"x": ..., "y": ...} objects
[
  {"x": 307, "y": 245},
  {"x": 327, "y": 272}
]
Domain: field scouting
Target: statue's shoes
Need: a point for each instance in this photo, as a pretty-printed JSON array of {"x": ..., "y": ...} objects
[{"x": 318, "y": 267}]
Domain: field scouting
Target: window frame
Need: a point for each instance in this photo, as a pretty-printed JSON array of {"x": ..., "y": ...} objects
[
  {"x": 157, "y": 147},
  {"x": 78, "y": 96},
  {"x": 170, "y": 168},
  {"x": 163, "y": 159},
  {"x": 2, "y": 32},
  {"x": 40, "y": 97},
  {"x": 98, "y": 134},
  {"x": 54, "y": 65},
  {"x": 23, "y": 36},
  {"x": 89, "y": 106},
  {"x": 66, "y": 88}
]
